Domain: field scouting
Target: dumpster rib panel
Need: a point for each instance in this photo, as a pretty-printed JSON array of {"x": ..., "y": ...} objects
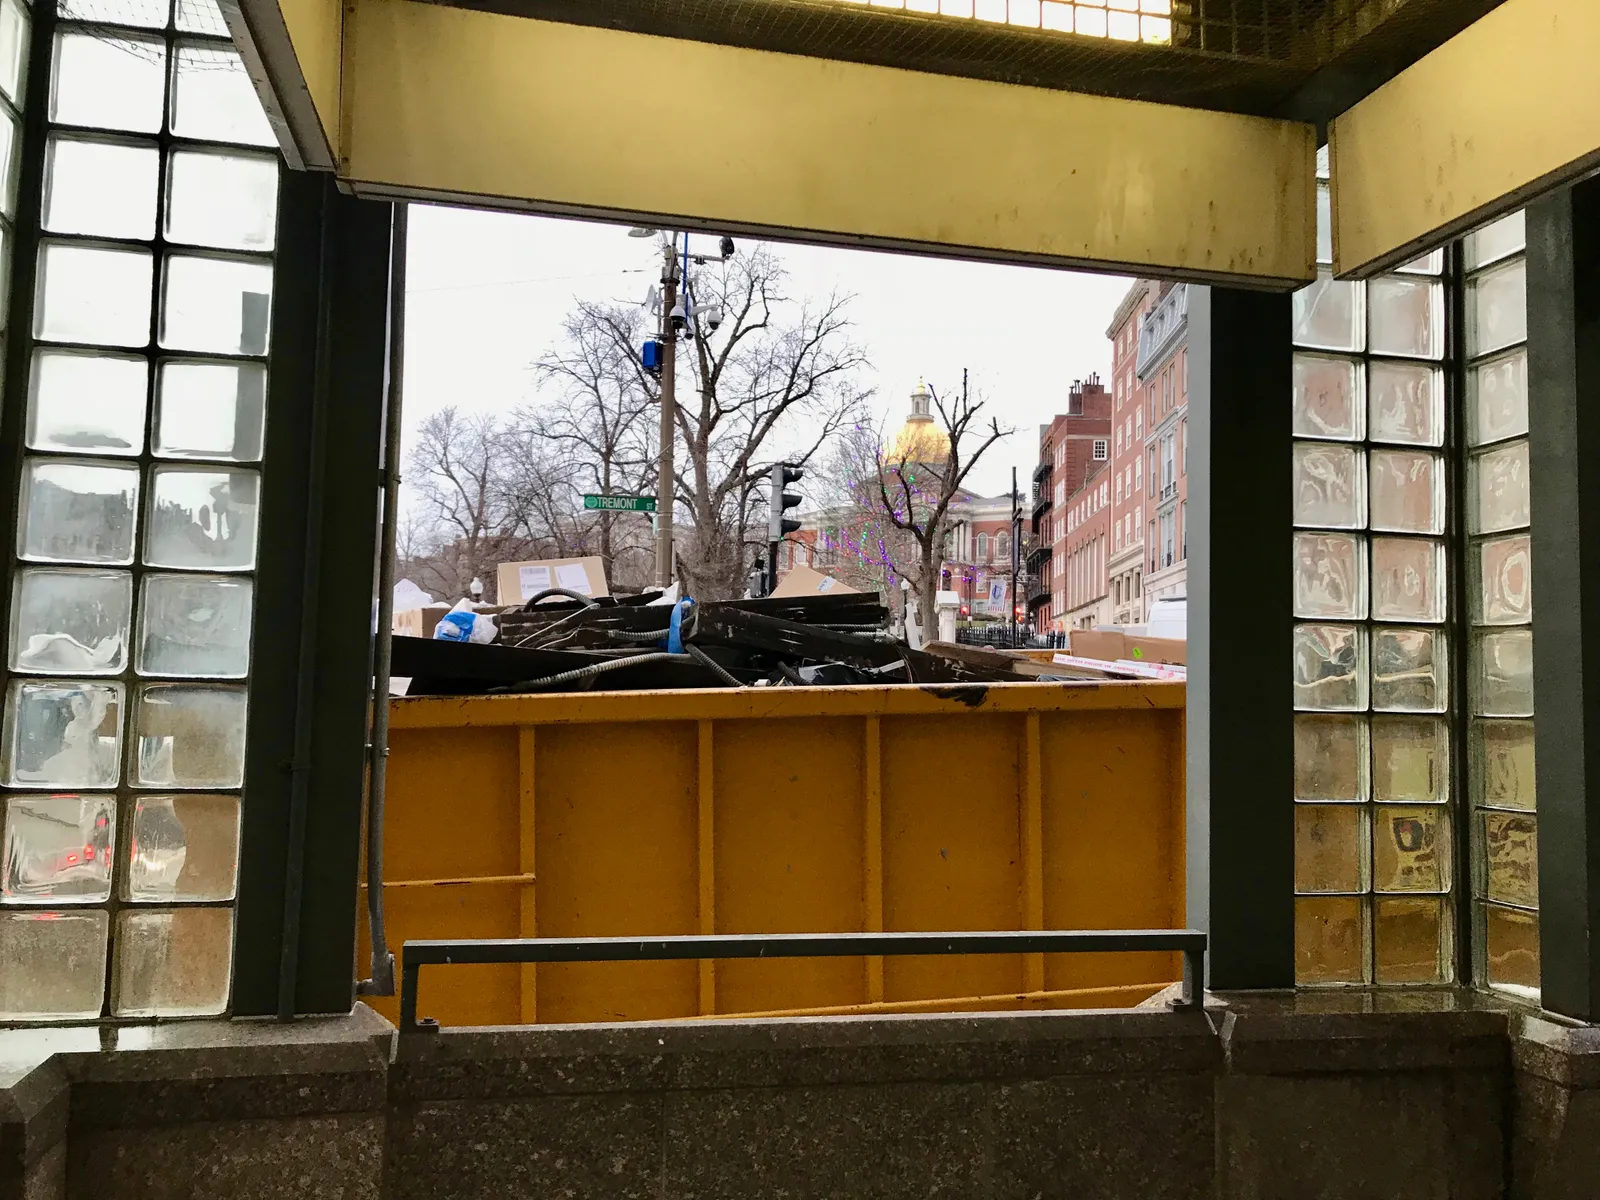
[{"x": 1026, "y": 806}]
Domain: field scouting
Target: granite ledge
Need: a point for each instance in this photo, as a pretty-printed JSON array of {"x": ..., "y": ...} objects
[
  {"x": 1298, "y": 1043},
  {"x": 1565, "y": 1054}
]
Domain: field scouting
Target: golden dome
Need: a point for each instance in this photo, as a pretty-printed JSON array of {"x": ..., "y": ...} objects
[{"x": 920, "y": 439}]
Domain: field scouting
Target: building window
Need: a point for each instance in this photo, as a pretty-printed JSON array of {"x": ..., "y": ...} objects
[
  {"x": 983, "y": 547},
  {"x": 1183, "y": 530},
  {"x": 137, "y": 545},
  {"x": 1002, "y": 545},
  {"x": 1099, "y": 449},
  {"x": 1374, "y": 878},
  {"x": 1183, "y": 446}
]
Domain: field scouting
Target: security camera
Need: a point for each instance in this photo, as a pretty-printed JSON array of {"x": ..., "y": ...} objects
[
  {"x": 727, "y": 247},
  {"x": 714, "y": 317}
]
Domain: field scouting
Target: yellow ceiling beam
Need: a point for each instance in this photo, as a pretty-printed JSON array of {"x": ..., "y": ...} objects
[
  {"x": 1506, "y": 109},
  {"x": 444, "y": 103},
  {"x": 296, "y": 49}
]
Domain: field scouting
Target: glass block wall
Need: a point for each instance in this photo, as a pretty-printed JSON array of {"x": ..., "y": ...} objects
[
  {"x": 130, "y": 609},
  {"x": 1504, "y": 830},
  {"x": 1373, "y": 798}
]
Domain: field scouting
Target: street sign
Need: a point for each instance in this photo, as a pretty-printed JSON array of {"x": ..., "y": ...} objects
[{"x": 621, "y": 503}]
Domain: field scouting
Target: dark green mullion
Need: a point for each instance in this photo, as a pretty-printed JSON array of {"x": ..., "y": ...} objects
[
  {"x": 1240, "y": 712},
  {"x": 1458, "y": 606},
  {"x": 1563, "y": 287},
  {"x": 300, "y": 850}
]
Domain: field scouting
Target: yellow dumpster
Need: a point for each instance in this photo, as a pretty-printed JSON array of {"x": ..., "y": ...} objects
[{"x": 1016, "y": 806}]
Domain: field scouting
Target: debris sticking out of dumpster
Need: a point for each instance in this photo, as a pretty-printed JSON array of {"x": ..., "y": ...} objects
[{"x": 561, "y": 641}]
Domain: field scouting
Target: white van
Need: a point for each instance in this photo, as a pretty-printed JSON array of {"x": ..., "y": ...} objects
[{"x": 1169, "y": 619}]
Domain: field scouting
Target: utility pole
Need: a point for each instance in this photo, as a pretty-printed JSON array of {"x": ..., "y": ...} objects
[{"x": 666, "y": 490}]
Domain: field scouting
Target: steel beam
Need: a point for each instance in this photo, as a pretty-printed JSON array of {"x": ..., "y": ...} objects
[
  {"x": 441, "y": 103},
  {"x": 1502, "y": 112}
]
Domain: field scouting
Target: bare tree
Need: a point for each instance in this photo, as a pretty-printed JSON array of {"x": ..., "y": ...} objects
[
  {"x": 915, "y": 497},
  {"x": 457, "y": 468},
  {"x": 598, "y": 427},
  {"x": 777, "y": 379}
]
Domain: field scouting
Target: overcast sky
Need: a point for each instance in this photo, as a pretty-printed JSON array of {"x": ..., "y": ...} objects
[{"x": 486, "y": 293}]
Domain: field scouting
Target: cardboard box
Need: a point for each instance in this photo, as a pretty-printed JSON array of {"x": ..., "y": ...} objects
[
  {"x": 1110, "y": 645},
  {"x": 519, "y": 580},
  {"x": 1173, "y": 651},
  {"x": 419, "y": 622},
  {"x": 803, "y": 581}
]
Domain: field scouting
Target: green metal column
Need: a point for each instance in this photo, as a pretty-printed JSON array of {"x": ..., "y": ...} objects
[{"x": 309, "y": 696}]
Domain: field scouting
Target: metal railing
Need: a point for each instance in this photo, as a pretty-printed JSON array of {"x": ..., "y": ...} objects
[{"x": 479, "y": 951}]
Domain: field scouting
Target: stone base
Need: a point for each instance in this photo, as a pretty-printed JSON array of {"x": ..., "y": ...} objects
[{"x": 1304, "y": 1097}]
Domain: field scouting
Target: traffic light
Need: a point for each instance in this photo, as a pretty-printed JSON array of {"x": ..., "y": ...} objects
[{"x": 783, "y": 474}]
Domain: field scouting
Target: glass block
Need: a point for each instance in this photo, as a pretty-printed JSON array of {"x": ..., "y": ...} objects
[
  {"x": 1410, "y": 759},
  {"x": 216, "y": 305},
  {"x": 1411, "y": 848},
  {"x": 1330, "y": 576},
  {"x": 201, "y": 16},
  {"x": 1497, "y": 398},
  {"x": 63, "y": 734},
  {"x": 1407, "y": 489},
  {"x": 1411, "y": 941},
  {"x": 1497, "y": 308},
  {"x": 1503, "y": 673},
  {"x": 214, "y": 410},
  {"x": 1497, "y": 240},
  {"x": 1330, "y": 667},
  {"x": 57, "y": 849},
  {"x": 213, "y": 99},
  {"x": 87, "y": 403},
  {"x": 93, "y": 294},
  {"x": 183, "y": 848},
  {"x": 1405, "y": 316},
  {"x": 1324, "y": 162},
  {"x": 1407, "y": 403},
  {"x": 1510, "y": 941},
  {"x": 195, "y": 625},
  {"x": 202, "y": 520},
  {"x": 1324, "y": 224},
  {"x": 1431, "y": 263},
  {"x": 1508, "y": 858},
  {"x": 1408, "y": 579},
  {"x": 71, "y": 622},
  {"x": 1329, "y": 848},
  {"x": 1408, "y": 670},
  {"x": 1330, "y": 314},
  {"x": 106, "y": 82},
  {"x": 173, "y": 963},
  {"x": 10, "y": 139},
  {"x": 1497, "y": 489},
  {"x": 1504, "y": 595},
  {"x": 1502, "y": 773},
  {"x": 1330, "y": 940},
  {"x": 229, "y": 201},
  {"x": 1329, "y": 485},
  {"x": 144, "y": 14},
  {"x": 189, "y": 736},
  {"x": 14, "y": 37},
  {"x": 52, "y": 965},
  {"x": 1330, "y": 758},
  {"x": 78, "y": 511},
  {"x": 102, "y": 188},
  {"x": 1327, "y": 397}
]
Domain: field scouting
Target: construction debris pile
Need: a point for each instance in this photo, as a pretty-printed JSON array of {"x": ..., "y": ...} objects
[{"x": 568, "y": 642}]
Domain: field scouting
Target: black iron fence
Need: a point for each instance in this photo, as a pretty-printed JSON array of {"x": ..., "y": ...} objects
[{"x": 1000, "y": 636}]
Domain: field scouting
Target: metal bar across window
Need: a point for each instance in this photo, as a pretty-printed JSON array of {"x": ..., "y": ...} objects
[{"x": 480, "y": 951}]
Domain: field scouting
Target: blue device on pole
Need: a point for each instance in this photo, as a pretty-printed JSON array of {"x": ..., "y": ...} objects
[{"x": 651, "y": 356}]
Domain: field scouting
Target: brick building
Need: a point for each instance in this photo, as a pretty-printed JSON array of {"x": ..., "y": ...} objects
[
  {"x": 1071, "y": 447},
  {"x": 1163, "y": 373},
  {"x": 1126, "y": 565}
]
